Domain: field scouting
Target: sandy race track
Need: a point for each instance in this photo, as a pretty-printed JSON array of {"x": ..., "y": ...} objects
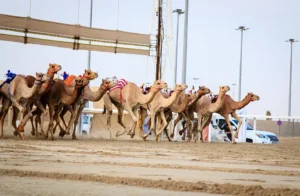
[{"x": 93, "y": 166}]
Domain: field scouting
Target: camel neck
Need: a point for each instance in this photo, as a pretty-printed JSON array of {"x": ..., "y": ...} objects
[
  {"x": 171, "y": 99},
  {"x": 240, "y": 104},
  {"x": 93, "y": 96},
  {"x": 145, "y": 99},
  {"x": 217, "y": 105}
]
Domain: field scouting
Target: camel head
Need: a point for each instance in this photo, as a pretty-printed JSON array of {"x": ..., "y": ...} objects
[
  {"x": 54, "y": 68},
  {"x": 252, "y": 97},
  {"x": 107, "y": 84},
  {"x": 158, "y": 85},
  {"x": 90, "y": 75},
  {"x": 40, "y": 78},
  {"x": 223, "y": 89},
  {"x": 180, "y": 87},
  {"x": 78, "y": 82},
  {"x": 203, "y": 90}
]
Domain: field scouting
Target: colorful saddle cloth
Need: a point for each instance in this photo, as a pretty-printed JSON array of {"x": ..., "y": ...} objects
[
  {"x": 69, "y": 80},
  {"x": 120, "y": 85}
]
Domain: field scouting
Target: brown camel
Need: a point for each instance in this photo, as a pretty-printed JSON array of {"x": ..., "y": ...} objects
[
  {"x": 229, "y": 106},
  {"x": 87, "y": 77},
  {"x": 157, "y": 107},
  {"x": 204, "y": 108},
  {"x": 188, "y": 113},
  {"x": 57, "y": 97},
  {"x": 69, "y": 91},
  {"x": 52, "y": 70},
  {"x": 88, "y": 95},
  {"x": 129, "y": 98},
  {"x": 19, "y": 90}
]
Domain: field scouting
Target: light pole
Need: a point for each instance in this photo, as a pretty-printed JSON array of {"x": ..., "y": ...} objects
[
  {"x": 291, "y": 66},
  {"x": 233, "y": 88},
  {"x": 179, "y": 12},
  {"x": 195, "y": 83},
  {"x": 185, "y": 42},
  {"x": 242, "y": 29}
]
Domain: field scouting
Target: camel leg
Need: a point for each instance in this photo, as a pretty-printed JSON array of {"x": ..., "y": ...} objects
[
  {"x": 163, "y": 126},
  {"x": 132, "y": 132},
  {"x": 4, "y": 110},
  {"x": 169, "y": 119},
  {"x": 199, "y": 129},
  {"x": 28, "y": 114},
  {"x": 142, "y": 117},
  {"x": 230, "y": 128},
  {"x": 61, "y": 115},
  {"x": 120, "y": 121},
  {"x": 14, "y": 120},
  {"x": 72, "y": 120},
  {"x": 81, "y": 107},
  {"x": 152, "y": 128},
  {"x": 134, "y": 118},
  {"x": 175, "y": 123},
  {"x": 234, "y": 115},
  {"x": 50, "y": 127},
  {"x": 43, "y": 112}
]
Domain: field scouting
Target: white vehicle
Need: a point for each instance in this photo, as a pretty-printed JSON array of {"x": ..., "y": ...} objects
[{"x": 258, "y": 136}]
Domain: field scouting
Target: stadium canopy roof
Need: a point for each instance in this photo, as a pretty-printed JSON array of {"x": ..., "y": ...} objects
[{"x": 33, "y": 31}]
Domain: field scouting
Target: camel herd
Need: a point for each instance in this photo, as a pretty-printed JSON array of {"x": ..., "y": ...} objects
[{"x": 23, "y": 92}]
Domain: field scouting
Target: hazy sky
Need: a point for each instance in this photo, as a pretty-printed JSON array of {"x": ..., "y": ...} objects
[{"x": 213, "y": 45}]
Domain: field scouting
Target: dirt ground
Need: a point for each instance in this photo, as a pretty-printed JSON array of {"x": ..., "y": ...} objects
[{"x": 95, "y": 166}]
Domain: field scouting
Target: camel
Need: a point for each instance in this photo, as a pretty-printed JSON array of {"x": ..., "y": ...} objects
[
  {"x": 182, "y": 103},
  {"x": 157, "y": 107},
  {"x": 188, "y": 113},
  {"x": 69, "y": 91},
  {"x": 52, "y": 70},
  {"x": 229, "y": 106},
  {"x": 130, "y": 98},
  {"x": 18, "y": 90},
  {"x": 57, "y": 97},
  {"x": 87, "y": 77},
  {"x": 88, "y": 95},
  {"x": 204, "y": 108}
]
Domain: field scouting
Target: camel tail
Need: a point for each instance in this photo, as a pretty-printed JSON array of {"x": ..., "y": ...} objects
[{"x": 104, "y": 110}]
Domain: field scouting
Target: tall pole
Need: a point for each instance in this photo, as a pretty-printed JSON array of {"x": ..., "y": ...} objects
[
  {"x": 159, "y": 44},
  {"x": 178, "y": 11},
  {"x": 242, "y": 29},
  {"x": 291, "y": 69},
  {"x": 184, "y": 60},
  {"x": 91, "y": 22}
]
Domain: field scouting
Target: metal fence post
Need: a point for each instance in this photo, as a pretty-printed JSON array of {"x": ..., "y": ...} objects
[
  {"x": 293, "y": 127},
  {"x": 279, "y": 130}
]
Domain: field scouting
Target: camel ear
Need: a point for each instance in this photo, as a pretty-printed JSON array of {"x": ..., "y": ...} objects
[
  {"x": 50, "y": 64},
  {"x": 85, "y": 70}
]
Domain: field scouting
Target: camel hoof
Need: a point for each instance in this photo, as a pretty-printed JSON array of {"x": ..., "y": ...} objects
[
  {"x": 132, "y": 136},
  {"x": 33, "y": 133},
  {"x": 74, "y": 138},
  {"x": 62, "y": 134},
  {"x": 233, "y": 142}
]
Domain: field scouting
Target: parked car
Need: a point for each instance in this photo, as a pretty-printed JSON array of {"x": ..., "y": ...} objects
[{"x": 257, "y": 136}]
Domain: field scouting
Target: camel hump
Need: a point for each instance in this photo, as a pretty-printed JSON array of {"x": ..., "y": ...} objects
[
  {"x": 69, "y": 80},
  {"x": 214, "y": 99},
  {"x": 29, "y": 81}
]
